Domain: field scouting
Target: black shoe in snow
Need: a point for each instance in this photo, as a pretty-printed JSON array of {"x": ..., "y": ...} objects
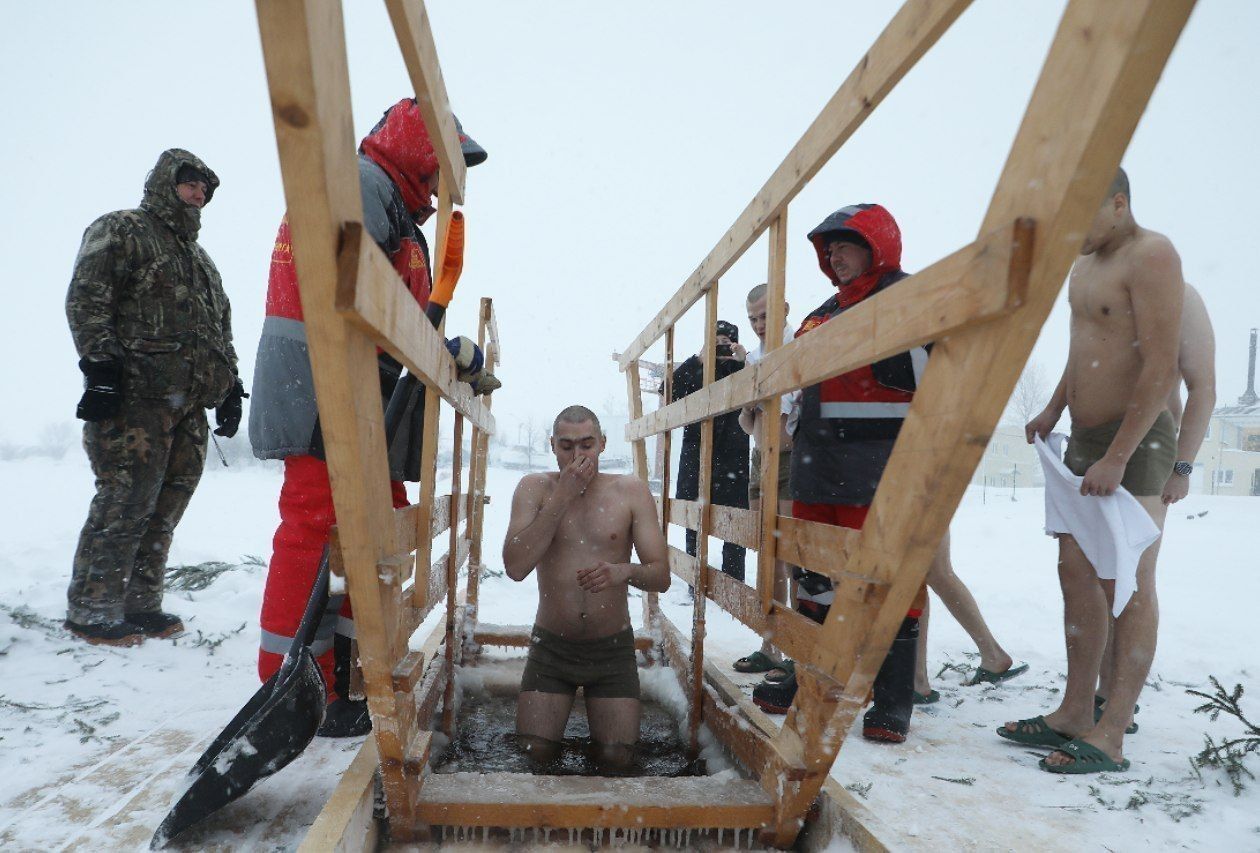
[
  {"x": 107, "y": 633},
  {"x": 775, "y": 697},
  {"x": 888, "y": 720},
  {"x": 345, "y": 718},
  {"x": 157, "y": 624}
]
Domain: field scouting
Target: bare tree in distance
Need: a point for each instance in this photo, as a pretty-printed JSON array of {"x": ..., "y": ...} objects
[
  {"x": 1031, "y": 394},
  {"x": 535, "y": 436}
]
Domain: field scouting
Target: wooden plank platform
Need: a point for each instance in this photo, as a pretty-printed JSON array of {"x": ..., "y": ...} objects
[{"x": 515, "y": 799}]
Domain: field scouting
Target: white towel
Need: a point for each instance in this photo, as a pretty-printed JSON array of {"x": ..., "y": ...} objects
[{"x": 1113, "y": 531}]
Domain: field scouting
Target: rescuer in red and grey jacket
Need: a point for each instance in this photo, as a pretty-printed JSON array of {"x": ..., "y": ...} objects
[
  {"x": 843, "y": 438},
  {"x": 397, "y": 176}
]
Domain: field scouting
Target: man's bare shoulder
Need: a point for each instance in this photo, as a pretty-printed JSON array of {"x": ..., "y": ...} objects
[
  {"x": 540, "y": 482},
  {"x": 1152, "y": 251},
  {"x": 628, "y": 483}
]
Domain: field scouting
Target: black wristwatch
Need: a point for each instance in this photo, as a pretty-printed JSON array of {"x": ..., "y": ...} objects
[{"x": 1184, "y": 469}]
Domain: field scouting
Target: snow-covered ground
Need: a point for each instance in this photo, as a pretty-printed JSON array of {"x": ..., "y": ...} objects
[{"x": 74, "y": 717}]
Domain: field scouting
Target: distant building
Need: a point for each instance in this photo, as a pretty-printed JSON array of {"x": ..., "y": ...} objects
[
  {"x": 1009, "y": 461},
  {"x": 1229, "y": 461}
]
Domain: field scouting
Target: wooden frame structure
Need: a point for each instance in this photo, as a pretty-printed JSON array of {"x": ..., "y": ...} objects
[
  {"x": 983, "y": 305},
  {"x": 353, "y": 302}
]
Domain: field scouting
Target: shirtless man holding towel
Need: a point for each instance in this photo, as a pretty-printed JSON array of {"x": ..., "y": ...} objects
[{"x": 1126, "y": 292}]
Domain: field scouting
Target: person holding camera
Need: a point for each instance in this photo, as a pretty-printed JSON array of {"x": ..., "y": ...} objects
[{"x": 729, "y": 462}]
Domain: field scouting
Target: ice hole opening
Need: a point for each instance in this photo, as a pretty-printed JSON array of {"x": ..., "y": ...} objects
[{"x": 485, "y": 730}]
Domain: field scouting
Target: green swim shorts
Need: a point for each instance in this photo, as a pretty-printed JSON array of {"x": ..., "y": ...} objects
[
  {"x": 604, "y": 667},
  {"x": 1150, "y": 465}
]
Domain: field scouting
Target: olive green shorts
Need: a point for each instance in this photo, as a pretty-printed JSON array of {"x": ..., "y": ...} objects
[
  {"x": 754, "y": 475},
  {"x": 605, "y": 668},
  {"x": 1150, "y": 465}
]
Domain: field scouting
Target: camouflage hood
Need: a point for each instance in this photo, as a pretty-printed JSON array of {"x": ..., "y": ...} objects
[{"x": 162, "y": 199}]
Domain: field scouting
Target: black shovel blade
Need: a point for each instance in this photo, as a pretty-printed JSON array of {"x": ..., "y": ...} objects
[{"x": 273, "y": 729}]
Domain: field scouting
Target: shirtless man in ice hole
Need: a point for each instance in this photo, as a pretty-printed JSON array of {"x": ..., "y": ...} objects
[{"x": 576, "y": 527}]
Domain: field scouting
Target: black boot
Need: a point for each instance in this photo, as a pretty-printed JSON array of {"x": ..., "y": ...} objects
[
  {"x": 775, "y": 697},
  {"x": 889, "y": 717},
  {"x": 156, "y": 624},
  {"x": 107, "y": 633},
  {"x": 343, "y": 718}
]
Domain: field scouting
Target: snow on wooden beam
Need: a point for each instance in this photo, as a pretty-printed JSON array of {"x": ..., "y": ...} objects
[
  {"x": 516, "y": 799},
  {"x": 908, "y": 36}
]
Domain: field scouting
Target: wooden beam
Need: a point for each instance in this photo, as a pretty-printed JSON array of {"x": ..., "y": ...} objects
[
  {"x": 909, "y": 35},
  {"x": 415, "y": 38},
  {"x": 731, "y": 524},
  {"x": 634, "y": 390},
  {"x": 346, "y": 824},
  {"x": 797, "y": 635},
  {"x": 521, "y": 799},
  {"x": 973, "y": 286},
  {"x": 452, "y": 583},
  {"x": 683, "y": 565},
  {"x": 666, "y": 443},
  {"x": 480, "y": 462},
  {"x": 821, "y": 548},
  {"x": 768, "y": 441},
  {"x": 427, "y": 501},
  {"x": 370, "y": 295},
  {"x": 695, "y": 709},
  {"x": 725, "y": 717},
  {"x": 1100, "y": 72},
  {"x": 305, "y": 56},
  {"x": 431, "y": 688}
]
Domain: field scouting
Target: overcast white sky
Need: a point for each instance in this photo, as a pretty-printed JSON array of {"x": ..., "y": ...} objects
[{"x": 624, "y": 140}]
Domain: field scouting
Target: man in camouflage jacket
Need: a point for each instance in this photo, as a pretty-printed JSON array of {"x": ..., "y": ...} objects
[{"x": 152, "y": 327}]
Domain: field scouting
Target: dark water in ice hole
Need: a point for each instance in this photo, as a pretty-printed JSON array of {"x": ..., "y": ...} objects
[{"x": 485, "y": 742}]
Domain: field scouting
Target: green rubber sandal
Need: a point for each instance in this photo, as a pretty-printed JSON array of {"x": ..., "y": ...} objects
[
  {"x": 1099, "y": 702},
  {"x": 1086, "y": 758},
  {"x": 755, "y": 662},
  {"x": 781, "y": 672},
  {"x": 929, "y": 698},
  {"x": 1041, "y": 734},
  {"x": 988, "y": 676}
]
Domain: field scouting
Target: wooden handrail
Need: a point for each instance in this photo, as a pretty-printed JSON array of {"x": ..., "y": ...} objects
[
  {"x": 913, "y": 30},
  {"x": 974, "y": 285}
]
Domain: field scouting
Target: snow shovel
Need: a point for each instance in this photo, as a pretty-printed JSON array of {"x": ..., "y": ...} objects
[
  {"x": 269, "y": 732},
  {"x": 281, "y": 719}
]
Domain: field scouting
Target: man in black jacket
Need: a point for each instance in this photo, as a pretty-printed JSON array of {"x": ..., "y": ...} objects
[{"x": 729, "y": 484}]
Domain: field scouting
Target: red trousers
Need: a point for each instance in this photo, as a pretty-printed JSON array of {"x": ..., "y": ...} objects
[
  {"x": 306, "y": 514},
  {"x": 852, "y": 517}
]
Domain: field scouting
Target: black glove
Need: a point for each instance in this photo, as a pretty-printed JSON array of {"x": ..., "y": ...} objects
[
  {"x": 228, "y": 414},
  {"x": 102, "y": 398}
]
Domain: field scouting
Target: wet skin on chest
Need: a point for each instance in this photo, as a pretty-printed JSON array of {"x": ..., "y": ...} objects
[
  {"x": 595, "y": 528},
  {"x": 1104, "y": 360}
]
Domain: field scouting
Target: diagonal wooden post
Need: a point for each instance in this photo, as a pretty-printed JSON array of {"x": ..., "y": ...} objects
[
  {"x": 1102, "y": 68},
  {"x": 305, "y": 56}
]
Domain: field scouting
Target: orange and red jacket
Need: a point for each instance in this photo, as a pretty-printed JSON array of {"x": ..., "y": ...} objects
[
  {"x": 848, "y": 424},
  {"x": 396, "y": 160}
]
